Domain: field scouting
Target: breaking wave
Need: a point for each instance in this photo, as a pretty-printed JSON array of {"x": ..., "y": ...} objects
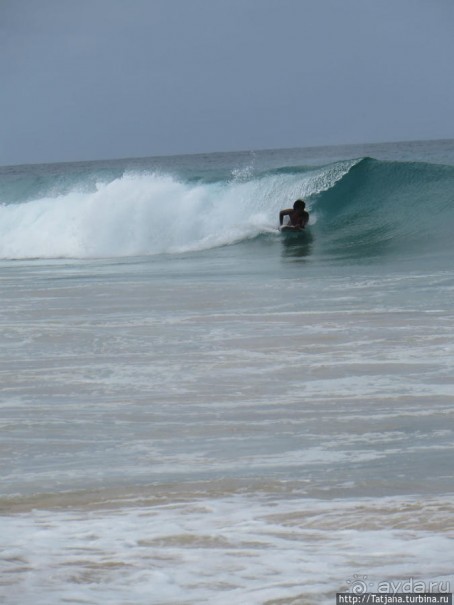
[{"x": 359, "y": 206}]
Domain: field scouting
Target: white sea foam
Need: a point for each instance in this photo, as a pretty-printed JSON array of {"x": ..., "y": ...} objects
[{"x": 237, "y": 549}]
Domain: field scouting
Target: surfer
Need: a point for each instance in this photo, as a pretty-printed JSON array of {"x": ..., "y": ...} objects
[{"x": 299, "y": 217}]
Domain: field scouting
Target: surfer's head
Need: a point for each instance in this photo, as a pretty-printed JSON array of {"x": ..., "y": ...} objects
[{"x": 299, "y": 205}]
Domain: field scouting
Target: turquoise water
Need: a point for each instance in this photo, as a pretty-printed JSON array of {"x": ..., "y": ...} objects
[{"x": 196, "y": 409}]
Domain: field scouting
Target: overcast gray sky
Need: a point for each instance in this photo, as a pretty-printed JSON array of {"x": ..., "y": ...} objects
[{"x": 92, "y": 79}]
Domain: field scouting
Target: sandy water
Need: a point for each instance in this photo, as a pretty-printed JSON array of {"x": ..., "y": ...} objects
[{"x": 239, "y": 440}]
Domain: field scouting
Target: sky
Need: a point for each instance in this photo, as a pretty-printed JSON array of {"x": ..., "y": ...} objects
[{"x": 101, "y": 79}]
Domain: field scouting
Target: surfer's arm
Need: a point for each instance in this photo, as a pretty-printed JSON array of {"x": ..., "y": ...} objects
[{"x": 283, "y": 213}]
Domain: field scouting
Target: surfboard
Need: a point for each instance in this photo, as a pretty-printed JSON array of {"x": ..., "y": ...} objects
[{"x": 287, "y": 230}]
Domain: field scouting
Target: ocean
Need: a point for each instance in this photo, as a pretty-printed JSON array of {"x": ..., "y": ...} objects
[{"x": 198, "y": 409}]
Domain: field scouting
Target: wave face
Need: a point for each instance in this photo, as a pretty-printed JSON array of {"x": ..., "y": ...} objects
[
  {"x": 358, "y": 207},
  {"x": 381, "y": 207}
]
